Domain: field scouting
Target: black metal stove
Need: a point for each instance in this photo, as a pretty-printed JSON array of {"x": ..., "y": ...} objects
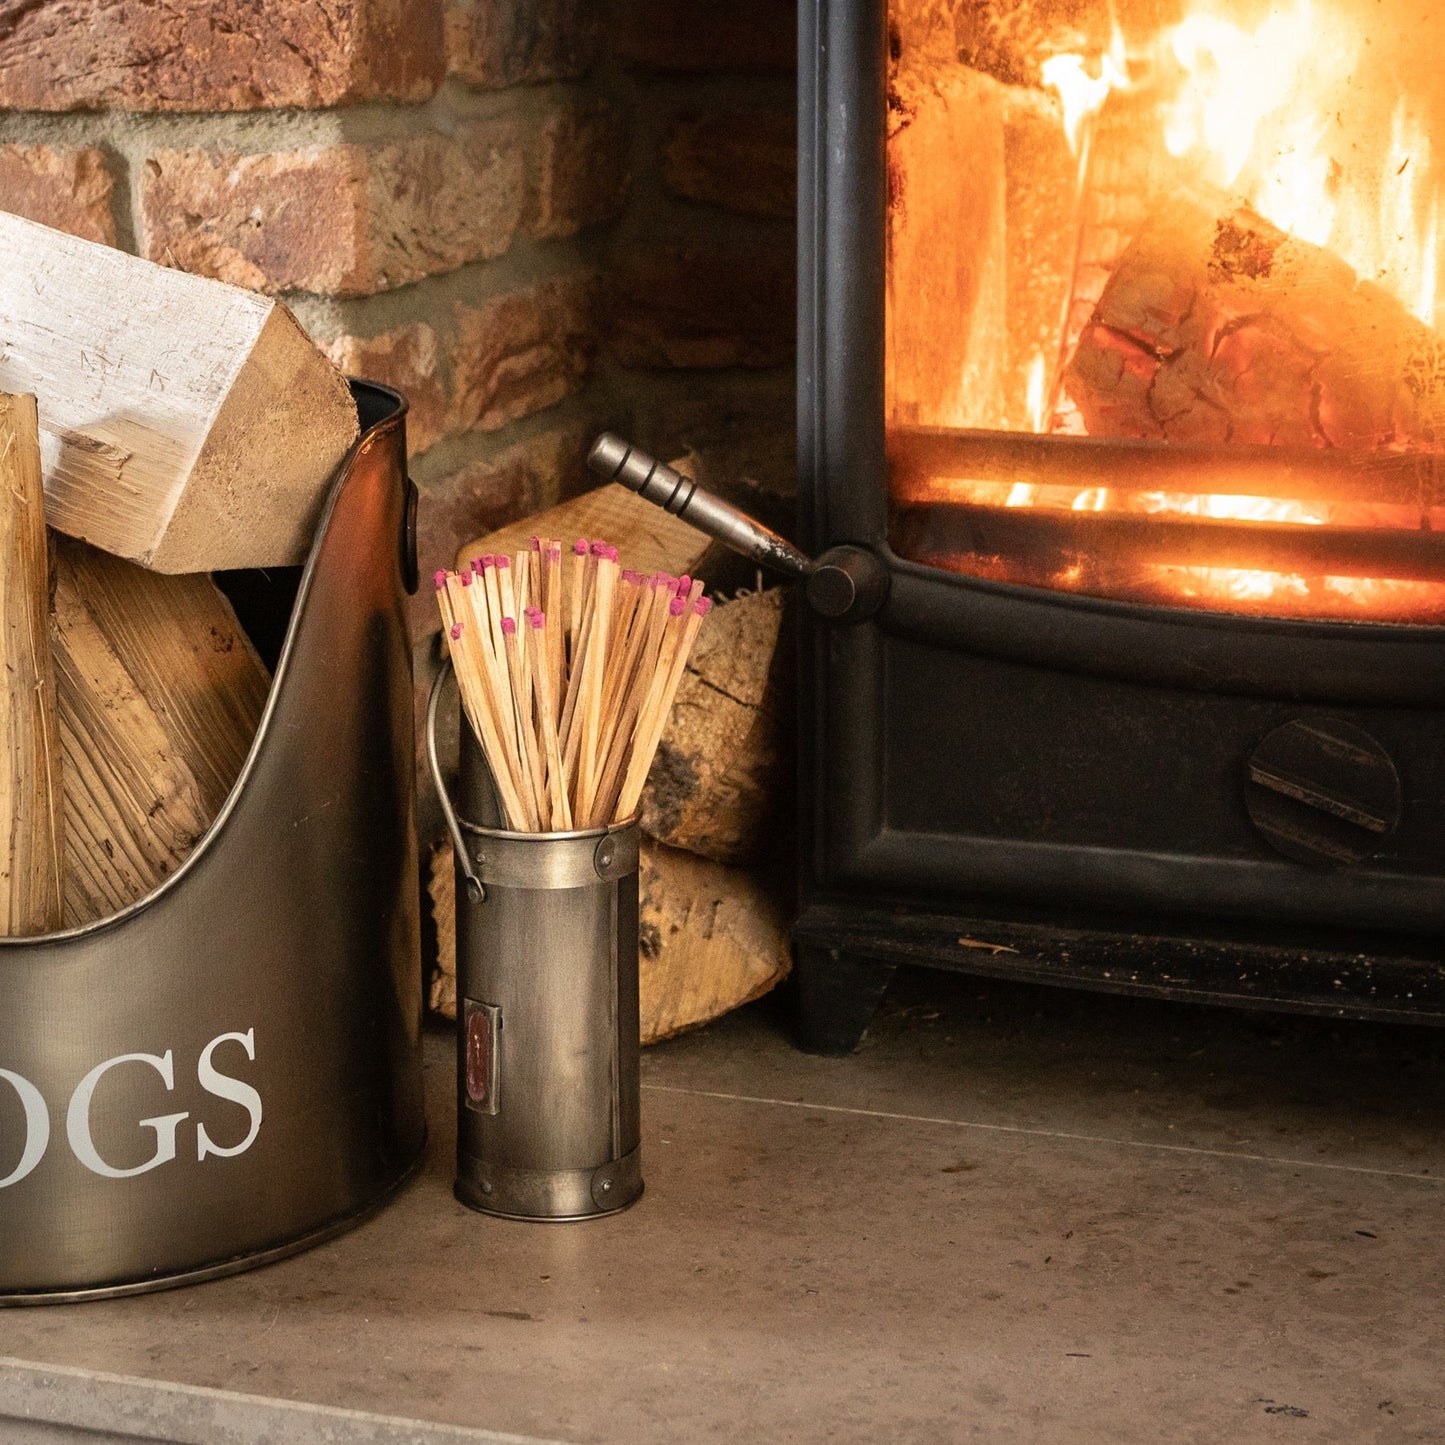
[{"x": 1032, "y": 782}]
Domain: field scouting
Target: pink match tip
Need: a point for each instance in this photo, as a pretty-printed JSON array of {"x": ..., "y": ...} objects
[
  {"x": 509, "y": 625},
  {"x": 536, "y": 617},
  {"x": 702, "y": 606},
  {"x": 478, "y": 564},
  {"x": 440, "y": 578},
  {"x": 487, "y": 561},
  {"x": 633, "y": 579},
  {"x": 677, "y": 606},
  {"x": 554, "y": 552},
  {"x": 456, "y": 630},
  {"x": 579, "y": 547},
  {"x": 684, "y": 582},
  {"x": 613, "y": 555},
  {"x": 503, "y": 562},
  {"x": 466, "y": 577},
  {"x": 536, "y": 542},
  {"x": 664, "y": 579},
  {"x": 599, "y": 549}
]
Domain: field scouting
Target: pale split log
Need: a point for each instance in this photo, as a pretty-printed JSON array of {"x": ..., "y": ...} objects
[
  {"x": 711, "y": 938},
  {"x": 186, "y": 424},
  {"x": 31, "y": 826},
  {"x": 723, "y": 765},
  {"x": 160, "y": 695},
  {"x": 648, "y": 539}
]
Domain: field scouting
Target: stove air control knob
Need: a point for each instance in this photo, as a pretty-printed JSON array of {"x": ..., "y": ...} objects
[
  {"x": 1323, "y": 792},
  {"x": 847, "y": 584}
]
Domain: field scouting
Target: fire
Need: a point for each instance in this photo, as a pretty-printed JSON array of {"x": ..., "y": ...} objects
[
  {"x": 1272, "y": 115},
  {"x": 1037, "y": 398},
  {"x": 1318, "y": 117},
  {"x": 1266, "y": 114},
  {"x": 1083, "y": 95}
]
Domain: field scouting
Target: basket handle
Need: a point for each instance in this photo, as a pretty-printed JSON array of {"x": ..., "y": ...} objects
[{"x": 475, "y": 891}]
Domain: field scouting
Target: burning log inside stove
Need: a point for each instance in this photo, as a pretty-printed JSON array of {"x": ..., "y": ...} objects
[{"x": 1218, "y": 326}]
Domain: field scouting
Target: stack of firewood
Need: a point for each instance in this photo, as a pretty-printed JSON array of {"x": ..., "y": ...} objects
[
  {"x": 177, "y": 426},
  {"x": 715, "y": 873}
]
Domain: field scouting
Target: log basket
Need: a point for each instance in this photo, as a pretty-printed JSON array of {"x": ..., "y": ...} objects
[{"x": 229, "y": 1070}]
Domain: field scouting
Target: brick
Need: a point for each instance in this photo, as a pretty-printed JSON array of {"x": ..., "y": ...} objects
[
  {"x": 345, "y": 220},
  {"x": 494, "y": 43},
  {"x": 189, "y": 55},
  {"x": 738, "y": 35},
  {"x": 484, "y": 495},
  {"x": 743, "y": 160},
  {"x": 702, "y": 309},
  {"x": 68, "y": 189},
  {"x": 522, "y": 351},
  {"x": 579, "y": 171},
  {"x": 406, "y": 359}
]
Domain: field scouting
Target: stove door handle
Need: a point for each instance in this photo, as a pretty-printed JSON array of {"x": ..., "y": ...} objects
[{"x": 614, "y": 459}]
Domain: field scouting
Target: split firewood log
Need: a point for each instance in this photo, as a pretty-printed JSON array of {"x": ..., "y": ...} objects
[
  {"x": 159, "y": 697},
  {"x": 185, "y": 424},
  {"x": 723, "y": 765},
  {"x": 1217, "y": 326},
  {"x": 647, "y": 537},
  {"x": 31, "y": 863},
  {"x": 711, "y": 938}
]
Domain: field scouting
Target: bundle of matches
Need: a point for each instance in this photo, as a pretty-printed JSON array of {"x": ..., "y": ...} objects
[{"x": 567, "y": 676}]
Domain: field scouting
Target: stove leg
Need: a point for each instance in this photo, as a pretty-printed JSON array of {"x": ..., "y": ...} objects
[{"x": 834, "y": 997}]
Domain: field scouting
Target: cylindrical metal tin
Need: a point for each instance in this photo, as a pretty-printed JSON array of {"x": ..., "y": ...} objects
[{"x": 548, "y": 1111}]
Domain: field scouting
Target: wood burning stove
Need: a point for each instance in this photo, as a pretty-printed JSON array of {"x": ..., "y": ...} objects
[{"x": 1155, "y": 698}]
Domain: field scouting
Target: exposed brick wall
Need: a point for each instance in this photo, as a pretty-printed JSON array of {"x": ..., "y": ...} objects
[
  {"x": 534, "y": 217},
  {"x": 701, "y": 269}
]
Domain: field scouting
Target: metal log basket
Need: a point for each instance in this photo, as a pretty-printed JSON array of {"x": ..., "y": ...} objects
[{"x": 229, "y": 1070}]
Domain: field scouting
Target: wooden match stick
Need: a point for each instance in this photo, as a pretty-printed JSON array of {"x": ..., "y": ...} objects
[
  {"x": 469, "y": 670},
  {"x": 574, "y": 600},
  {"x": 556, "y": 633},
  {"x": 644, "y": 746},
  {"x": 595, "y": 663},
  {"x": 546, "y": 710},
  {"x": 535, "y": 797}
]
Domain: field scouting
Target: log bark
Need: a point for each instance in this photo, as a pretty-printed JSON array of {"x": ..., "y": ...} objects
[
  {"x": 186, "y": 424},
  {"x": 31, "y": 866},
  {"x": 160, "y": 695},
  {"x": 711, "y": 938},
  {"x": 1217, "y": 326},
  {"x": 723, "y": 767}
]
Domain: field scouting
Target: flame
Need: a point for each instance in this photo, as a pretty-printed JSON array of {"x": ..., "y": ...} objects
[
  {"x": 1037, "y": 393},
  {"x": 1083, "y": 95},
  {"x": 1273, "y": 116}
]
